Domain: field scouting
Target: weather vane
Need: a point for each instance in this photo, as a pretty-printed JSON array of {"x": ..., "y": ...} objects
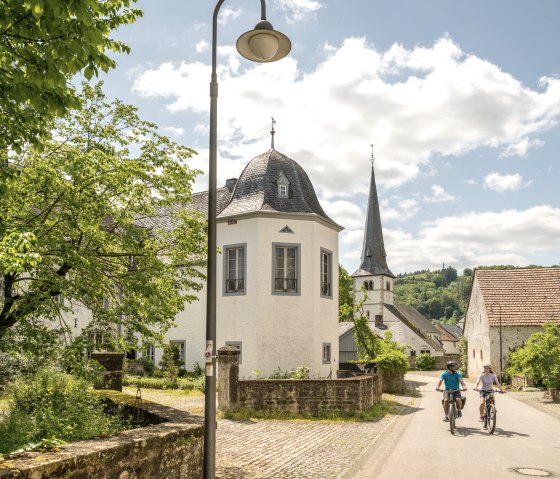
[
  {"x": 272, "y": 133},
  {"x": 372, "y": 159}
]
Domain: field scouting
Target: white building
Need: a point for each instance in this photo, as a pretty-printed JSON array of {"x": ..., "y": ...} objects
[
  {"x": 277, "y": 275},
  {"x": 374, "y": 280}
]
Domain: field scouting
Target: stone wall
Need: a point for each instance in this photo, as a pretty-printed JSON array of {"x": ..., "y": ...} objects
[
  {"x": 308, "y": 396},
  {"x": 171, "y": 449},
  {"x": 393, "y": 383},
  {"x": 441, "y": 361}
]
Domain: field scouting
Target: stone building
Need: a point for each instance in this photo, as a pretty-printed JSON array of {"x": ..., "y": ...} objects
[
  {"x": 506, "y": 306},
  {"x": 375, "y": 281}
]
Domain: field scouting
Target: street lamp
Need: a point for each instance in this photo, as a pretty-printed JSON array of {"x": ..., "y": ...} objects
[
  {"x": 500, "y": 332},
  {"x": 263, "y": 44}
]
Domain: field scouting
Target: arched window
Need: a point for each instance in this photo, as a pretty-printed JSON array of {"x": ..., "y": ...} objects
[
  {"x": 366, "y": 285},
  {"x": 371, "y": 285}
]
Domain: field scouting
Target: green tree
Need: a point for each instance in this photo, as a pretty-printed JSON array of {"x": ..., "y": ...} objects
[
  {"x": 43, "y": 45},
  {"x": 540, "y": 357},
  {"x": 345, "y": 296},
  {"x": 102, "y": 200}
]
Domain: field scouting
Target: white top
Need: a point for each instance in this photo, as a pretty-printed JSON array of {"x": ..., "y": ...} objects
[{"x": 487, "y": 381}]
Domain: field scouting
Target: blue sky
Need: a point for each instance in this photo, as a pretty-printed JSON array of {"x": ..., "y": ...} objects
[{"x": 460, "y": 99}]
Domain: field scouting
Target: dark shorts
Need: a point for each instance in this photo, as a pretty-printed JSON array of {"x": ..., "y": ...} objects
[
  {"x": 483, "y": 394},
  {"x": 456, "y": 394}
]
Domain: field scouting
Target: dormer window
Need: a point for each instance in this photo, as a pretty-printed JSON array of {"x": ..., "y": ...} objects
[{"x": 283, "y": 186}]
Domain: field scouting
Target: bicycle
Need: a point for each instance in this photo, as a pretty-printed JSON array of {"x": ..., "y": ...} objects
[
  {"x": 489, "y": 421},
  {"x": 452, "y": 411}
]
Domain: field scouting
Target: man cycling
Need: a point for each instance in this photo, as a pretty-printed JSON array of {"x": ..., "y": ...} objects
[{"x": 452, "y": 378}]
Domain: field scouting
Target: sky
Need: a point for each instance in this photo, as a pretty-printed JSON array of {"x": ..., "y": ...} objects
[{"x": 460, "y": 99}]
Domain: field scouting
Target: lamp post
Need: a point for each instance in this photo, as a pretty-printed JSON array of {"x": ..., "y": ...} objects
[
  {"x": 500, "y": 333},
  {"x": 263, "y": 44}
]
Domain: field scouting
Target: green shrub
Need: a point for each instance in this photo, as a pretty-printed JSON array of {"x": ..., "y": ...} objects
[
  {"x": 50, "y": 407},
  {"x": 392, "y": 362},
  {"x": 186, "y": 383},
  {"x": 425, "y": 362}
]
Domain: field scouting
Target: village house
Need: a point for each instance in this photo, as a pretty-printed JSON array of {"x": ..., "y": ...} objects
[
  {"x": 449, "y": 337},
  {"x": 506, "y": 306},
  {"x": 277, "y": 276},
  {"x": 373, "y": 283}
]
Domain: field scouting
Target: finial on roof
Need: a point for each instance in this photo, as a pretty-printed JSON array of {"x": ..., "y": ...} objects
[
  {"x": 372, "y": 159},
  {"x": 272, "y": 133}
]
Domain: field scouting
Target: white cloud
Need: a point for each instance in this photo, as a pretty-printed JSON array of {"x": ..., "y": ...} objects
[
  {"x": 227, "y": 14},
  {"x": 201, "y": 46},
  {"x": 298, "y": 10},
  {"x": 414, "y": 104},
  {"x": 473, "y": 239},
  {"x": 438, "y": 195},
  {"x": 521, "y": 148},
  {"x": 174, "y": 131},
  {"x": 502, "y": 183}
]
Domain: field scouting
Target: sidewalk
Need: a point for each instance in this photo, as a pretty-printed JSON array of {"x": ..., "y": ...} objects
[{"x": 259, "y": 449}]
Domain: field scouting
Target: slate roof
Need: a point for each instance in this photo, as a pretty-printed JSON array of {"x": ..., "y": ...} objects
[
  {"x": 454, "y": 330},
  {"x": 417, "y": 322},
  {"x": 527, "y": 296},
  {"x": 445, "y": 334},
  {"x": 257, "y": 190},
  {"x": 374, "y": 257}
]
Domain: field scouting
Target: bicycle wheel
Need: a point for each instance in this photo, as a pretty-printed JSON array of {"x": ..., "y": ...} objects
[
  {"x": 491, "y": 413},
  {"x": 452, "y": 414}
]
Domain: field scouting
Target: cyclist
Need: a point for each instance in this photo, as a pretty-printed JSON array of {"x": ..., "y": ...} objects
[
  {"x": 488, "y": 379},
  {"x": 452, "y": 379}
]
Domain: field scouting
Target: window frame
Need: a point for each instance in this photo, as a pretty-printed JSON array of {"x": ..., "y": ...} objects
[
  {"x": 182, "y": 350},
  {"x": 327, "y": 358},
  {"x": 149, "y": 352},
  {"x": 329, "y": 274},
  {"x": 226, "y": 249},
  {"x": 298, "y": 253}
]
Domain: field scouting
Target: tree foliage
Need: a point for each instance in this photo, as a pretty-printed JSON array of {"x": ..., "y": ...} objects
[
  {"x": 345, "y": 296},
  {"x": 101, "y": 200},
  {"x": 540, "y": 357},
  {"x": 43, "y": 45},
  {"x": 439, "y": 295}
]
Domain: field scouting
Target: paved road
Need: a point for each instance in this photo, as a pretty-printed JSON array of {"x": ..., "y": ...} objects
[{"x": 419, "y": 444}]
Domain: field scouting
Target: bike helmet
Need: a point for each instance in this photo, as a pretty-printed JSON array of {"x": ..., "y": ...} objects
[
  {"x": 451, "y": 364},
  {"x": 487, "y": 365}
]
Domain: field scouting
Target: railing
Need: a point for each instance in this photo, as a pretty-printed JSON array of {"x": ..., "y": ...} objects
[
  {"x": 285, "y": 284},
  {"x": 235, "y": 285}
]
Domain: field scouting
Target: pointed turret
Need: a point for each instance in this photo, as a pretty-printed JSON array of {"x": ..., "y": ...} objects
[{"x": 374, "y": 260}]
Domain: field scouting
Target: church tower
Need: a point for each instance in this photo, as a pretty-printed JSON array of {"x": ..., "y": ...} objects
[{"x": 373, "y": 275}]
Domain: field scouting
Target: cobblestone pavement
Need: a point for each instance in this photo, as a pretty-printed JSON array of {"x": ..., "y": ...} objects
[{"x": 260, "y": 449}]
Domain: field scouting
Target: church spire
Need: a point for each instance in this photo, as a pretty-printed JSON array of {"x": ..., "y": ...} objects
[
  {"x": 374, "y": 260},
  {"x": 272, "y": 132}
]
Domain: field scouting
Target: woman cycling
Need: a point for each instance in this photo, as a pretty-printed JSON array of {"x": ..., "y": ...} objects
[{"x": 488, "y": 379}]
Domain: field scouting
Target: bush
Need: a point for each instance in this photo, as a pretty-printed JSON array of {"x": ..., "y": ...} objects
[
  {"x": 301, "y": 372},
  {"x": 186, "y": 383},
  {"x": 52, "y": 407},
  {"x": 425, "y": 362},
  {"x": 392, "y": 362},
  {"x": 140, "y": 366}
]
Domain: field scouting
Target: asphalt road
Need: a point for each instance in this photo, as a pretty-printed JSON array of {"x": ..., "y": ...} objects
[{"x": 418, "y": 444}]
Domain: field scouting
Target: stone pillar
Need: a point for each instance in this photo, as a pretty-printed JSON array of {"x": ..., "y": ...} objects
[
  {"x": 228, "y": 377},
  {"x": 111, "y": 378}
]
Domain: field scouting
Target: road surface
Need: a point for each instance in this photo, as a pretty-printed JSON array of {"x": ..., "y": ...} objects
[{"x": 418, "y": 444}]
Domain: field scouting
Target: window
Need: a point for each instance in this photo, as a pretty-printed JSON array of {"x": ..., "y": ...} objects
[
  {"x": 388, "y": 285},
  {"x": 96, "y": 342},
  {"x": 326, "y": 273},
  {"x": 238, "y": 345},
  {"x": 285, "y": 269},
  {"x": 481, "y": 356},
  {"x": 182, "y": 347},
  {"x": 367, "y": 314},
  {"x": 132, "y": 263},
  {"x": 378, "y": 320},
  {"x": 283, "y": 186},
  {"x": 59, "y": 299},
  {"x": 234, "y": 269},
  {"x": 371, "y": 285},
  {"x": 366, "y": 287},
  {"x": 425, "y": 351},
  {"x": 150, "y": 353},
  {"x": 473, "y": 354},
  {"x": 283, "y": 191},
  {"x": 326, "y": 353},
  {"x": 412, "y": 353}
]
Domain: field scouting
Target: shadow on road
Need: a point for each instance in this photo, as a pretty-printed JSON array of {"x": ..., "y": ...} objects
[{"x": 472, "y": 431}]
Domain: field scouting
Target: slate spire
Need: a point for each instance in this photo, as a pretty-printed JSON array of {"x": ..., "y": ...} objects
[{"x": 374, "y": 260}]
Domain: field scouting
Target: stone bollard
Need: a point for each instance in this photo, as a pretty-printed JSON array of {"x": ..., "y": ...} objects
[
  {"x": 228, "y": 377},
  {"x": 112, "y": 376}
]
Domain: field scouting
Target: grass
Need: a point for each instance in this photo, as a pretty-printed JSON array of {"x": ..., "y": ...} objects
[{"x": 374, "y": 413}]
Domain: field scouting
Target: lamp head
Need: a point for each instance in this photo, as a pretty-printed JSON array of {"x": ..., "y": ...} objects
[{"x": 263, "y": 44}]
